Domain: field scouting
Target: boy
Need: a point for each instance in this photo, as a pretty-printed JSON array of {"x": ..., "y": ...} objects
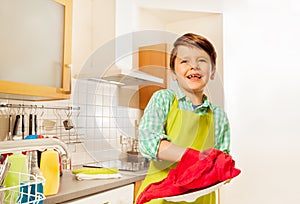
[{"x": 175, "y": 120}]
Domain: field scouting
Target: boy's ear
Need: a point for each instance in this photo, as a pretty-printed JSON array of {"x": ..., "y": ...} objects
[{"x": 212, "y": 74}]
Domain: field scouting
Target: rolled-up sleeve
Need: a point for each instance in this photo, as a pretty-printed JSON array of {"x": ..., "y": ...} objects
[
  {"x": 152, "y": 124},
  {"x": 222, "y": 131}
]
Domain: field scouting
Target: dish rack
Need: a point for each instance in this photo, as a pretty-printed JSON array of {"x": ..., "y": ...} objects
[{"x": 28, "y": 191}]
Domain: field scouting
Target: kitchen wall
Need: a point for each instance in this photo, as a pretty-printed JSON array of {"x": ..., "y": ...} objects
[
  {"x": 98, "y": 124},
  {"x": 261, "y": 66},
  {"x": 103, "y": 120}
]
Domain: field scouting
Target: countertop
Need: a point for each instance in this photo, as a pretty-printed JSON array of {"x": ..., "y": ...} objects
[{"x": 70, "y": 188}]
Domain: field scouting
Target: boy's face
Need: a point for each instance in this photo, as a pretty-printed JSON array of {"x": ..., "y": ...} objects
[{"x": 193, "y": 69}]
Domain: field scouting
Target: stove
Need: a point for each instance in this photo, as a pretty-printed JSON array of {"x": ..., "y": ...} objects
[{"x": 122, "y": 165}]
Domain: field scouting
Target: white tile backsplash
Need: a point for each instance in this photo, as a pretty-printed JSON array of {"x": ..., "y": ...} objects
[
  {"x": 105, "y": 120},
  {"x": 98, "y": 124}
]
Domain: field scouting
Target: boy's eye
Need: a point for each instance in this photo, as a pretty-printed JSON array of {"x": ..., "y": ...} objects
[
  {"x": 202, "y": 60},
  {"x": 183, "y": 61}
]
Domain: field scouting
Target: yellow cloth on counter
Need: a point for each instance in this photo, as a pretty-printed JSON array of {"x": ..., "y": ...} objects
[
  {"x": 89, "y": 170},
  {"x": 97, "y": 176},
  {"x": 96, "y": 173}
]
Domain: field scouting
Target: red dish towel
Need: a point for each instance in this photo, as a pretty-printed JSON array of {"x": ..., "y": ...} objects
[
  {"x": 195, "y": 171},
  {"x": 211, "y": 167}
]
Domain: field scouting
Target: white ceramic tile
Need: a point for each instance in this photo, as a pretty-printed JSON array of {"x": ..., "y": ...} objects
[
  {"x": 106, "y": 112},
  {"x": 90, "y": 132},
  {"x": 105, "y": 132},
  {"x": 91, "y": 99},
  {"x": 90, "y": 110},
  {"x": 98, "y": 99},
  {"x": 107, "y": 101},
  {"x": 99, "y": 123},
  {"x": 112, "y": 133},
  {"x": 90, "y": 122},
  {"x": 105, "y": 122},
  {"x": 112, "y": 122}
]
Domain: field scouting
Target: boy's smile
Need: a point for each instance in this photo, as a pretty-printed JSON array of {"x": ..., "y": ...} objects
[{"x": 194, "y": 76}]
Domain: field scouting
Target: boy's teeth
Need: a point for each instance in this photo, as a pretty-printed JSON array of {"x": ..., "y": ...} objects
[{"x": 190, "y": 76}]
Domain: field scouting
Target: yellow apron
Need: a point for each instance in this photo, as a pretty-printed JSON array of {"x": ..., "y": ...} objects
[{"x": 186, "y": 129}]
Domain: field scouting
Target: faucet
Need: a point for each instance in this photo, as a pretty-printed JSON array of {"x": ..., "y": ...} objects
[{"x": 38, "y": 144}]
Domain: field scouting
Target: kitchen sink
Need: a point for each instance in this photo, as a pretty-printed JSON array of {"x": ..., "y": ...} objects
[
  {"x": 133, "y": 156},
  {"x": 131, "y": 163}
]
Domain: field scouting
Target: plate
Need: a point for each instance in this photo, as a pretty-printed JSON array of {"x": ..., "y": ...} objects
[
  {"x": 4, "y": 170},
  {"x": 190, "y": 197}
]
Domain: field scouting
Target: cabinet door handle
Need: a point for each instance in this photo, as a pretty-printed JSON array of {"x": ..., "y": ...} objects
[{"x": 106, "y": 202}]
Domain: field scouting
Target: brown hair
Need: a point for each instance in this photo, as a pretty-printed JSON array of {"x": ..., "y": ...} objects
[{"x": 193, "y": 40}]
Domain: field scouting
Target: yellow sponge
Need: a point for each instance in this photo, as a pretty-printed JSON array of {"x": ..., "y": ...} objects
[{"x": 88, "y": 170}]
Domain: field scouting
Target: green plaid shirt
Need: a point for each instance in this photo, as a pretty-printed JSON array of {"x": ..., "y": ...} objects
[{"x": 152, "y": 124}]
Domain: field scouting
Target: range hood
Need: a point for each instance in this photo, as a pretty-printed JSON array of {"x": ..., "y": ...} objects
[
  {"x": 118, "y": 73},
  {"x": 119, "y": 76},
  {"x": 117, "y": 62},
  {"x": 123, "y": 77},
  {"x": 130, "y": 77}
]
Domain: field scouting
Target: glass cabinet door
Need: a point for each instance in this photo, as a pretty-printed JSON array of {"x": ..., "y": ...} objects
[{"x": 35, "y": 54}]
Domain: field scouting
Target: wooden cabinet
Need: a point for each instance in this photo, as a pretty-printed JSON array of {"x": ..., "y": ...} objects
[
  {"x": 137, "y": 186},
  {"x": 23, "y": 78},
  {"x": 152, "y": 60},
  {"x": 121, "y": 195}
]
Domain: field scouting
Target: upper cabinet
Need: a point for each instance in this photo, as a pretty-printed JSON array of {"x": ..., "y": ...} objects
[
  {"x": 152, "y": 60},
  {"x": 35, "y": 59}
]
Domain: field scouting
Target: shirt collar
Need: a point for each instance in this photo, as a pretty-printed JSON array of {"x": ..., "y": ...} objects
[
  {"x": 179, "y": 93},
  {"x": 206, "y": 103},
  {"x": 181, "y": 96}
]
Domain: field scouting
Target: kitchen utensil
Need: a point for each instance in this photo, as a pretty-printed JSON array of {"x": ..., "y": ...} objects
[
  {"x": 3, "y": 173},
  {"x": 33, "y": 167},
  {"x": 23, "y": 126},
  {"x": 68, "y": 124},
  {"x": 16, "y": 125},
  {"x": 30, "y": 124},
  {"x": 4, "y": 170},
  {"x": 35, "y": 125},
  {"x": 9, "y": 127},
  {"x": 48, "y": 124}
]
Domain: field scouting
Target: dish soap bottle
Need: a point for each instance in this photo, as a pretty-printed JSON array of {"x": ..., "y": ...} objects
[{"x": 49, "y": 167}]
